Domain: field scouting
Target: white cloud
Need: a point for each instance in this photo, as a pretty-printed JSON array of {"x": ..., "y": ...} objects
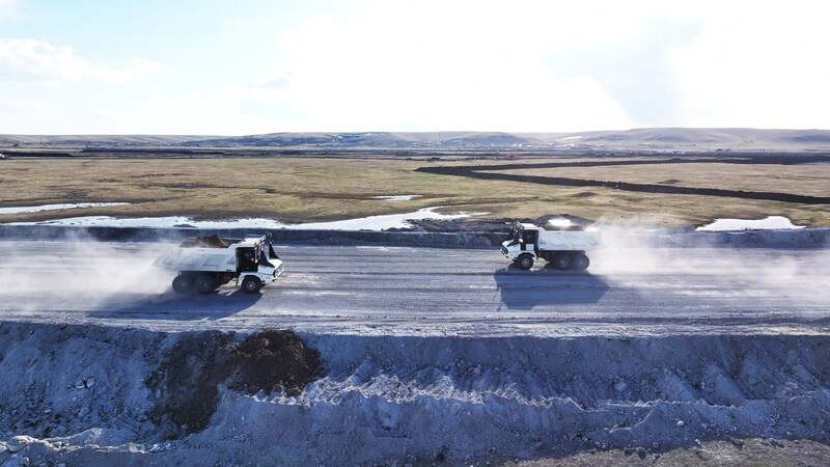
[
  {"x": 29, "y": 60},
  {"x": 8, "y": 9},
  {"x": 555, "y": 66},
  {"x": 759, "y": 65},
  {"x": 441, "y": 66},
  {"x": 462, "y": 65}
]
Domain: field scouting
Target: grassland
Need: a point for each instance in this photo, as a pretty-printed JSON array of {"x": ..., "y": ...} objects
[{"x": 314, "y": 189}]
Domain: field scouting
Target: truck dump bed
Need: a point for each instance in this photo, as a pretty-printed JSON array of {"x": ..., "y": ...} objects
[
  {"x": 567, "y": 240},
  {"x": 571, "y": 238},
  {"x": 200, "y": 259}
]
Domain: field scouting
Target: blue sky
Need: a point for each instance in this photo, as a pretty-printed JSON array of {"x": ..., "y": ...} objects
[{"x": 256, "y": 66}]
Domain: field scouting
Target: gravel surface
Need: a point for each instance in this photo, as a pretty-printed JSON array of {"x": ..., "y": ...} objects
[
  {"x": 750, "y": 452},
  {"x": 410, "y": 291}
]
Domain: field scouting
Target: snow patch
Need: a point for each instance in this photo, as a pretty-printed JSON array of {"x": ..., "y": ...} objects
[
  {"x": 382, "y": 222},
  {"x": 767, "y": 223},
  {"x": 560, "y": 222},
  {"x": 396, "y": 197},
  {"x": 377, "y": 223},
  {"x": 55, "y": 207}
]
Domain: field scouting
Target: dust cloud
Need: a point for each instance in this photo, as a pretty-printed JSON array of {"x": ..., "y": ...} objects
[
  {"x": 78, "y": 269},
  {"x": 627, "y": 254}
]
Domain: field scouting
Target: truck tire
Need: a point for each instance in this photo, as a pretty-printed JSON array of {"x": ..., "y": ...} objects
[
  {"x": 251, "y": 284},
  {"x": 183, "y": 283},
  {"x": 580, "y": 262},
  {"x": 563, "y": 260},
  {"x": 205, "y": 283},
  {"x": 524, "y": 261}
]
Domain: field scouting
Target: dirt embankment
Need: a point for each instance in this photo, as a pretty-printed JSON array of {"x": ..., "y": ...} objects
[
  {"x": 104, "y": 396},
  {"x": 484, "y": 234},
  {"x": 186, "y": 382},
  {"x": 63, "y": 381}
]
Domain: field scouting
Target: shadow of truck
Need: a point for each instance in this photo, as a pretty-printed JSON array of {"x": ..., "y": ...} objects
[
  {"x": 523, "y": 290},
  {"x": 171, "y": 306}
]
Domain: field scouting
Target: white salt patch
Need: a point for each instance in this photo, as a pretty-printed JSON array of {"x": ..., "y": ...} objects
[
  {"x": 768, "y": 223},
  {"x": 570, "y": 138},
  {"x": 382, "y": 222},
  {"x": 397, "y": 197},
  {"x": 55, "y": 207}
]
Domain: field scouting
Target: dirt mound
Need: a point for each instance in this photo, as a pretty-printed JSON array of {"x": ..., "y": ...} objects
[
  {"x": 275, "y": 360},
  {"x": 186, "y": 383},
  {"x": 208, "y": 241}
]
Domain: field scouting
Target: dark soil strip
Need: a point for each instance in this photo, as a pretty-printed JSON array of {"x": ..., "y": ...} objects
[
  {"x": 486, "y": 173},
  {"x": 187, "y": 381},
  {"x": 748, "y": 159}
]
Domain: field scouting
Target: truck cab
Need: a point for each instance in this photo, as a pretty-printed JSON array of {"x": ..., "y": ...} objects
[
  {"x": 523, "y": 238},
  {"x": 563, "y": 247}
]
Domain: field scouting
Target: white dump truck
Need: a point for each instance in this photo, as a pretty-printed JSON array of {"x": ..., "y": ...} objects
[
  {"x": 205, "y": 263},
  {"x": 563, "y": 246}
]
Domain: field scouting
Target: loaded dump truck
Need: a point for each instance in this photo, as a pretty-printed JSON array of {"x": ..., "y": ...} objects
[
  {"x": 205, "y": 263},
  {"x": 564, "y": 247}
]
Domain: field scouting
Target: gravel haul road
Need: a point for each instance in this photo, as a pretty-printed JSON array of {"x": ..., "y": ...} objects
[{"x": 410, "y": 291}]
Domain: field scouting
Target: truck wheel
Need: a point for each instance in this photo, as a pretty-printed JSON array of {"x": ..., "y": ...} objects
[
  {"x": 205, "y": 284},
  {"x": 562, "y": 260},
  {"x": 525, "y": 261},
  {"x": 580, "y": 262},
  {"x": 183, "y": 283},
  {"x": 251, "y": 284}
]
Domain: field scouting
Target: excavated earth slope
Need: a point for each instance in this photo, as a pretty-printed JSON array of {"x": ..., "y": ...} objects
[{"x": 97, "y": 395}]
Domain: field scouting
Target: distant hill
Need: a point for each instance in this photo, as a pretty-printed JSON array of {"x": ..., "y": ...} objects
[
  {"x": 646, "y": 139},
  {"x": 95, "y": 140},
  {"x": 373, "y": 140}
]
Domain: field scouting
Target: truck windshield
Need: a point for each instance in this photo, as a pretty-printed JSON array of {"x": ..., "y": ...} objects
[
  {"x": 246, "y": 259},
  {"x": 263, "y": 260},
  {"x": 530, "y": 237}
]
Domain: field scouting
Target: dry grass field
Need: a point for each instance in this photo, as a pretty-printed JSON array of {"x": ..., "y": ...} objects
[{"x": 315, "y": 189}]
